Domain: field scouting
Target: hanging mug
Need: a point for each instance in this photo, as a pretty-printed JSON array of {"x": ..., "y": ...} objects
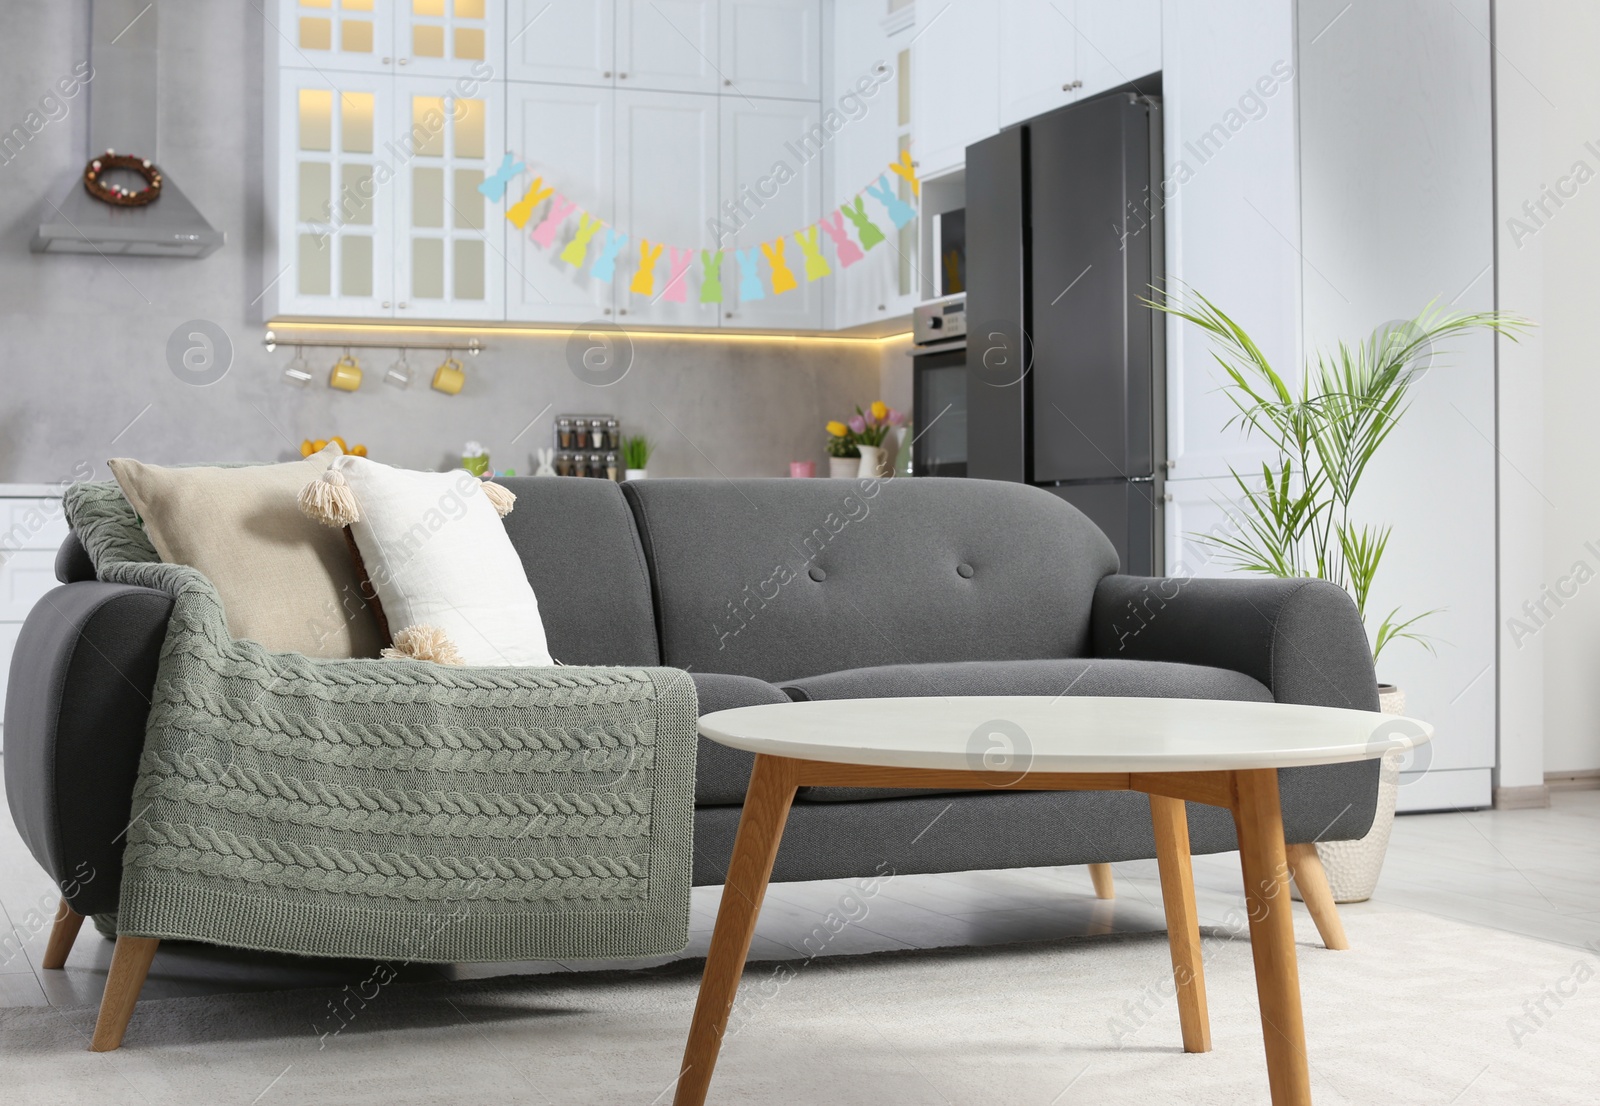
[
  {"x": 346, "y": 375},
  {"x": 449, "y": 378}
]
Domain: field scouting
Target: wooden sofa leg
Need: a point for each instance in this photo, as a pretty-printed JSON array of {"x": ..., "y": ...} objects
[
  {"x": 1105, "y": 886},
  {"x": 1306, "y": 868},
  {"x": 130, "y": 963},
  {"x": 62, "y": 935}
]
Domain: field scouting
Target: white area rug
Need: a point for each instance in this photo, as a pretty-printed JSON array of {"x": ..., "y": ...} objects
[{"x": 1421, "y": 1011}]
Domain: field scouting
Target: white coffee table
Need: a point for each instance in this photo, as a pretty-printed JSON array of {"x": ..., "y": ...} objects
[{"x": 1174, "y": 750}]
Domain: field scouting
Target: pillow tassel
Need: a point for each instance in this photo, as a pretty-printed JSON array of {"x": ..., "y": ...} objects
[
  {"x": 502, "y": 497},
  {"x": 424, "y": 643},
  {"x": 329, "y": 500}
]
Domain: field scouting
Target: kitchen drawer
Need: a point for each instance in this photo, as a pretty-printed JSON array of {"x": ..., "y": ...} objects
[
  {"x": 24, "y": 577},
  {"x": 31, "y": 524}
]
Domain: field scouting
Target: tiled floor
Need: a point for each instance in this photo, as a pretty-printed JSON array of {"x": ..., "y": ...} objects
[{"x": 1534, "y": 872}]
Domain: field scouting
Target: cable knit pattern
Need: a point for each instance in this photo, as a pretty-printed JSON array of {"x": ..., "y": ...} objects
[{"x": 395, "y": 809}]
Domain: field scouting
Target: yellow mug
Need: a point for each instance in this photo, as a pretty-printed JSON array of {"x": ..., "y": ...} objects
[
  {"x": 449, "y": 378},
  {"x": 346, "y": 375}
]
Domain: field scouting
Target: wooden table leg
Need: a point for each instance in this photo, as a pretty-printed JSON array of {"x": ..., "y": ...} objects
[
  {"x": 1259, "y": 821},
  {"x": 1105, "y": 884},
  {"x": 62, "y": 935},
  {"x": 766, "y": 808},
  {"x": 130, "y": 963},
  {"x": 1170, "y": 820},
  {"x": 1306, "y": 868}
]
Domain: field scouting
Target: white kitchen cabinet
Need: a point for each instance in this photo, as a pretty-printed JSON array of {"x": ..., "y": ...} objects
[
  {"x": 1196, "y": 507},
  {"x": 772, "y": 48},
  {"x": 668, "y": 45},
  {"x": 955, "y": 67},
  {"x": 1232, "y": 192},
  {"x": 449, "y": 38},
  {"x": 1039, "y": 42},
  {"x": 667, "y": 185},
  {"x": 865, "y": 54},
  {"x": 778, "y": 194},
  {"x": 562, "y": 41},
  {"x": 563, "y": 133},
  {"x": 1118, "y": 42},
  {"x": 332, "y": 189},
  {"x": 321, "y": 35},
  {"x": 450, "y": 238},
  {"x": 31, "y": 529}
]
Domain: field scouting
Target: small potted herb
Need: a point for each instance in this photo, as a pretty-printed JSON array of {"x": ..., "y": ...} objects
[{"x": 636, "y": 457}]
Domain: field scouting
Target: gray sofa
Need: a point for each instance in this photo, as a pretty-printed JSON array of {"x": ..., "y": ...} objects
[{"x": 767, "y": 590}]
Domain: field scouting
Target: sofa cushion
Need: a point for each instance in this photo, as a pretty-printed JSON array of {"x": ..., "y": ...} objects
[
  {"x": 283, "y": 580},
  {"x": 721, "y": 774},
  {"x": 781, "y": 579},
  {"x": 1140, "y": 679},
  {"x": 578, "y": 546}
]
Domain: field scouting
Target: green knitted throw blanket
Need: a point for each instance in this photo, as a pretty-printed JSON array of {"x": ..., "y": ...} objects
[{"x": 395, "y": 809}]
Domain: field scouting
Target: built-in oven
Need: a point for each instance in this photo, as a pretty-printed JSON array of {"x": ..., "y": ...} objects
[{"x": 939, "y": 388}]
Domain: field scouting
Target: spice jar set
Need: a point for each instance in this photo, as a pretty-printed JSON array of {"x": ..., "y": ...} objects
[{"x": 587, "y": 445}]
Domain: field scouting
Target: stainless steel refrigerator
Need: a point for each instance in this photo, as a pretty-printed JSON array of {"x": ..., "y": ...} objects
[{"x": 1066, "y": 368}]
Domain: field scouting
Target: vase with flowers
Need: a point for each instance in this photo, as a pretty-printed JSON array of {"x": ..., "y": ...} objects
[{"x": 862, "y": 445}]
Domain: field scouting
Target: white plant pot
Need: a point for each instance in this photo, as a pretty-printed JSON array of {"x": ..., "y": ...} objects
[
  {"x": 1353, "y": 867},
  {"x": 635, "y": 474},
  {"x": 844, "y": 467}
]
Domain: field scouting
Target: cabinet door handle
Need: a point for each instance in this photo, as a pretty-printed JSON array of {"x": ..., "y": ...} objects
[
  {"x": 728, "y": 81},
  {"x": 404, "y": 60},
  {"x": 729, "y": 315},
  {"x": 622, "y": 311},
  {"x": 608, "y": 311},
  {"x": 386, "y": 304},
  {"x": 883, "y": 307},
  {"x": 1070, "y": 85},
  {"x": 622, "y": 76},
  {"x": 387, "y": 61},
  {"x": 606, "y": 74}
]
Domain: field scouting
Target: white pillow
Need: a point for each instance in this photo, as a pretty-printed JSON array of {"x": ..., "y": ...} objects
[{"x": 436, "y": 552}]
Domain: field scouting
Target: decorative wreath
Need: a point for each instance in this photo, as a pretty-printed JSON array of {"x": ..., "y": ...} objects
[{"x": 115, "y": 194}]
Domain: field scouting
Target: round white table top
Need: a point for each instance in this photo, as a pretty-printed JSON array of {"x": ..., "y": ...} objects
[{"x": 1024, "y": 733}]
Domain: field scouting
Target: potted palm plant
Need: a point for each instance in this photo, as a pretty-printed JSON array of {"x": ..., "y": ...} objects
[{"x": 1294, "y": 517}]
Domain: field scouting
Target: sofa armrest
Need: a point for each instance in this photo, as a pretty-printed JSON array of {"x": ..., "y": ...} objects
[
  {"x": 1301, "y": 638},
  {"x": 76, "y": 705}
]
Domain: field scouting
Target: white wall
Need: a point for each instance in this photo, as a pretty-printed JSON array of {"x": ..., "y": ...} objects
[
  {"x": 1396, "y": 172},
  {"x": 1550, "y": 126}
]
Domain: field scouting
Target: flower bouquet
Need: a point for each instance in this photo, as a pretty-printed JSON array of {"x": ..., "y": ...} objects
[{"x": 862, "y": 436}]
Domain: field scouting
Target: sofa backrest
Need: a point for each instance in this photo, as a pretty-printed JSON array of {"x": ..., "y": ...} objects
[
  {"x": 582, "y": 555},
  {"x": 780, "y": 579}
]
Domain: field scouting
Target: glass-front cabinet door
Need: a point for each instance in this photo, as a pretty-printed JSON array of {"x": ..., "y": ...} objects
[
  {"x": 448, "y": 38},
  {"x": 350, "y": 35},
  {"x": 335, "y": 197},
  {"x": 450, "y": 237}
]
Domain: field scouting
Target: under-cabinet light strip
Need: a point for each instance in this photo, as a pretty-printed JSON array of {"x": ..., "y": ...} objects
[{"x": 283, "y": 325}]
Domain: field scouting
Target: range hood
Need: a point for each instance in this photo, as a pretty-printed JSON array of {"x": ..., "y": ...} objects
[{"x": 122, "y": 117}]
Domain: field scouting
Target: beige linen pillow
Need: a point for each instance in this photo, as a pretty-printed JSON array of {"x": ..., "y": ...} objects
[{"x": 285, "y": 581}]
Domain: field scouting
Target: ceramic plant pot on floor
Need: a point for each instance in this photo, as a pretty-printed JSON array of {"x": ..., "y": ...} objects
[{"x": 1353, "y": 867}]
